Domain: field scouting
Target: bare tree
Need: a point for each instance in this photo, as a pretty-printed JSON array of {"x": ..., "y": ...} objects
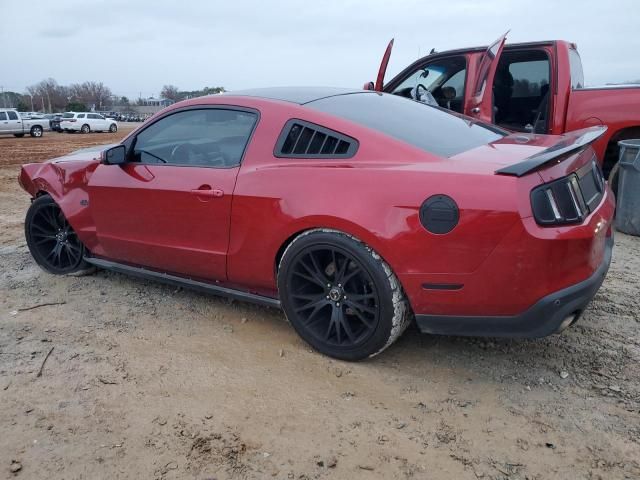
[
  {"x": 171, "y": 92},
  {"x": 95, "y": 94}
]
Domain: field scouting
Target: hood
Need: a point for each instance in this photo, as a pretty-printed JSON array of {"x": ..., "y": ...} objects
[{"x": 84, "y": 154}]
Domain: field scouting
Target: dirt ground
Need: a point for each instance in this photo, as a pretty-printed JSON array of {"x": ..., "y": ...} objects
[{"x": 149, "y": 381}]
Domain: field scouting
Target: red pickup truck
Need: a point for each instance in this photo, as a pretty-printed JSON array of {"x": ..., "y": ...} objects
[{"x": 533, "y": 87}]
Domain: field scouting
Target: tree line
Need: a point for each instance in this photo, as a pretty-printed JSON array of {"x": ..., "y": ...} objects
[{"x": 48, "y": 96}]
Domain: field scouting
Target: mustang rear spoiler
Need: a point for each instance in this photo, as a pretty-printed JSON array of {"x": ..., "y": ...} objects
[{"x": 571, "y": 142}]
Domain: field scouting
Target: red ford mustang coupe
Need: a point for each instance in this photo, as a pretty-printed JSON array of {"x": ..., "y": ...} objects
[{"x": 354, "y": 211}]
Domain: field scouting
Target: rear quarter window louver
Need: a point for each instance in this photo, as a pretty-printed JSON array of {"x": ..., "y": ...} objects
[{"x": 300, "y": 139}]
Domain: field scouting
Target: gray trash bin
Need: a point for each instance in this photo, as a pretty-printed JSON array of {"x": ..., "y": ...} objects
[{"x": 628, "y": 201}]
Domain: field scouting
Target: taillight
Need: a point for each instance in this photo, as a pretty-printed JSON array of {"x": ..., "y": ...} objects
[
  {"x": 569, "y": 199},
  {"x": 557, "y": 203}
]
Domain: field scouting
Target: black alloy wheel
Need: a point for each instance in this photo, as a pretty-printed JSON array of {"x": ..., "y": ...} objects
[
  {"x": 338, "y": 296},
  {"x": 51, "y": 240}
]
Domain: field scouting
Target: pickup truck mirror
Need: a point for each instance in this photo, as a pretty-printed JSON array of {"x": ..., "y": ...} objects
[{"x": 115, "y": 155}]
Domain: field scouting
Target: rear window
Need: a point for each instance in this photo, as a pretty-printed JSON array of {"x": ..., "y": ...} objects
[
  {"x": 68, "y": 115},
  {"x": 575, "y": 66},
  {"x": 432, "y": 129}
]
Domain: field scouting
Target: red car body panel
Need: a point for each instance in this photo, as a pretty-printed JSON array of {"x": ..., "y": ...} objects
[
  {"x": 616, "y": 107},
  {"x": 150, "y": 215}
]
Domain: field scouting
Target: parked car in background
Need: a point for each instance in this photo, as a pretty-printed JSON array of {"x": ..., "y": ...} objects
[
  {"x": 535, "y": 87},
  {"x": 473, "y": 230},
  {"x": 54, "y": 121},
  {"x": 12, "y": 123},
  {"x": 86, "y": 122}
]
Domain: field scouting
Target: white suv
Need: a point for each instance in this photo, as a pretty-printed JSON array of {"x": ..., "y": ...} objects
[{"x": 87, "y": 122}]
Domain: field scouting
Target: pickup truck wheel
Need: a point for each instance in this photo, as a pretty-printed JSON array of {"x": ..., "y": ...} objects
[
  {"x": 113, "y": 128},
  {"x": 36, "y": 131},
  {"x": 85, "y": 128},
  {"x": 18, "y": 135},
  {"x": 340, "y": 296},
  {"x": 51, "y": 240}
]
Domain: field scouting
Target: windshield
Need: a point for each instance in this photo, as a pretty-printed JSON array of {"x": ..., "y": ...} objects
[{"x": 432, "y": 129}]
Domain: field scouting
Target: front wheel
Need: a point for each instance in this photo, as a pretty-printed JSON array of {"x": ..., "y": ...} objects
[
  {"x": 340, "y": 296},
  {"x": 51, "y": 240},
  {"x": 113, "y": 128},
  {"x": 36, "y": 131}
]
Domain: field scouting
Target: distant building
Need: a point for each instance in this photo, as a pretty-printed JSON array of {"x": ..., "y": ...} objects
[
  {"x": 149, "y": 106},
  {"x": 155, "y": 102}
]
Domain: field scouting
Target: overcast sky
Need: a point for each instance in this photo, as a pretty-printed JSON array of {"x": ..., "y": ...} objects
[{"x": 138, "y": 46}]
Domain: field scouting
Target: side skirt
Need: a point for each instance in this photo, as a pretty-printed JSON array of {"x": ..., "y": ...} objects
[{"x": 183, "y": 282}]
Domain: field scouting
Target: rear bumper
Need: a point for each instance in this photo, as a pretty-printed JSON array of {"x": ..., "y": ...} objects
[{"x": 549, "y": 315}]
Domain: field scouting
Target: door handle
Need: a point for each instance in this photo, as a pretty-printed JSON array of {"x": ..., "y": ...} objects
[{"x": 213, "y": 193}]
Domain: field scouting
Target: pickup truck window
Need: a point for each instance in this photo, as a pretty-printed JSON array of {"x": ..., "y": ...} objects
[
  {"x": 521, "y": 90},
  {"x": 575, "y": 66},
  {"x": 3, "y": 116},
  {"x": 443, "y": 78},
  {"x": 12, "y": 115}
]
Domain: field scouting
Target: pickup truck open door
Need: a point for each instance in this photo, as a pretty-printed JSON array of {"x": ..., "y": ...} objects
[
  {"x": 378, "y": 86},
  {"x": 480, "y": 102}
]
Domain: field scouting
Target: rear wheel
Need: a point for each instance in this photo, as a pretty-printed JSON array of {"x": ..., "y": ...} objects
[
  {"x": 340, "y": 296},
  {"x": 36, "y": 131},
  {"x": 18, "y": 135},
  {"x": 51, "y": 240},
  {"x": 85, "y": 128}
]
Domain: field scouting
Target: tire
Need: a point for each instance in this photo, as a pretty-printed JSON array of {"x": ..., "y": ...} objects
[
  {"x": 52, "y": 242},
  {"x": 340, "y": 296},
  {"x": 113, "y": 128},
  {"x": 36, "y": 131},
  {"x": 18, "y": 135},
  {"x": 613, "y": 178},
  {"x": 85, "y": 128}
]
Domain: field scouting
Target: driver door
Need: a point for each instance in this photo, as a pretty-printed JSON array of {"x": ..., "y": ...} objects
[
  {"x": 169, "y": 206},
  {"x": 480, "y": 103}
]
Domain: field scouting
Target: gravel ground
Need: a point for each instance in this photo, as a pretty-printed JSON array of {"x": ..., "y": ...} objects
[{"x": 148, "y": 381}]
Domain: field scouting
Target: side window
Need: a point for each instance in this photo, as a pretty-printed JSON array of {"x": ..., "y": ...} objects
[
  {"x": 212, "y": 137},
  {"x": 81, "y": 115},
  {"x": 99, "y": 117},
  {"x": 92, "y": 116},
  {"x": 12, "y": 115},
  {"x": 444, "y": 79},
  {"x": 529, "y": 78},
  {"x": 3, "y": 116},
  {"x": 575, "y": 66}
]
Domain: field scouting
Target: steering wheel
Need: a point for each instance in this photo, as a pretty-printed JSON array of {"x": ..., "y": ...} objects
[
  {"x": 181, "y": 151},
  {"x": 422, "y": 95}
]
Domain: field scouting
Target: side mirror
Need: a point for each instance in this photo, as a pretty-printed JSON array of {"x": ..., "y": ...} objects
[
  {"x": 115, "y": 155},
  {"x": 369, "y": 86}
]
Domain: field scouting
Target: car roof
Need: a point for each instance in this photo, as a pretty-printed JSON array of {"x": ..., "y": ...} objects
[{"x": 299, "y": 95}]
